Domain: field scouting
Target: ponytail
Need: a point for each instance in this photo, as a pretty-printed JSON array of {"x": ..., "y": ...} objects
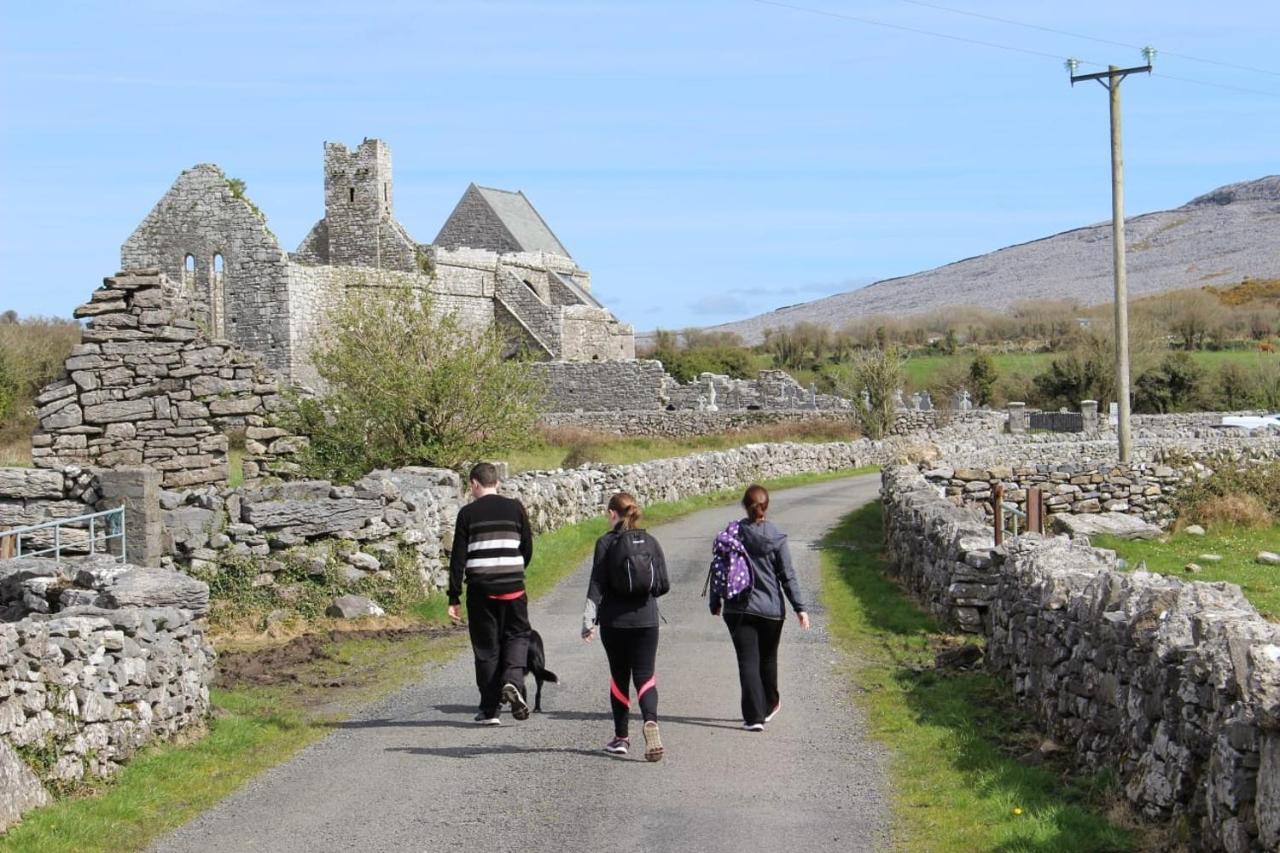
[
  {"x": 756, "y": 502},
  {"x": 624, "y": 504}
]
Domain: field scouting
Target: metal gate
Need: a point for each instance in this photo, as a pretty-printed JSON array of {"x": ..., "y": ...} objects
[{"x": 1057, "y": 421}]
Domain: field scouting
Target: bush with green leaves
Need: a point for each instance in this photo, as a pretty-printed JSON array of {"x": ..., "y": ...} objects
[
  {"x": 982, "y": 376},
  {"x": 878, "y": 372},
  {"x": 1172, "y": 386},
  {"x": 409, "y": 385}
]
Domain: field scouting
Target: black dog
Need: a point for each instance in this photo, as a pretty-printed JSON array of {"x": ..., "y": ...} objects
[{"x": 537, "y": 667}]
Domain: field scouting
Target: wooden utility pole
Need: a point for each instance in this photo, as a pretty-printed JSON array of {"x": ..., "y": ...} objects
[{"x": 1110, "y": 80}]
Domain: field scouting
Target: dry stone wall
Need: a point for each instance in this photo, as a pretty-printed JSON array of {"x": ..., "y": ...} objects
[
  {"x": 1142, "y": 489},
  {"x": 1174, "y": 685},
  {"x": 97, "y": 659},
  {"x": 364, "y": 527},
  {"x": 148, "y": 387}
]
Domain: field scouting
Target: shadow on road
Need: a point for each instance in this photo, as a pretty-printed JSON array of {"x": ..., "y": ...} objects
[{"x": 497, "y": 749}]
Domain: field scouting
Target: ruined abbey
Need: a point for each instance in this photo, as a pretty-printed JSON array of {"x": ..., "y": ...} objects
[{"x": 495, "y": 263}]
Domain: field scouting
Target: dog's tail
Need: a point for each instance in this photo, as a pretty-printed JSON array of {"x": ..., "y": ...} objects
[{"x": 548, "y": 675}]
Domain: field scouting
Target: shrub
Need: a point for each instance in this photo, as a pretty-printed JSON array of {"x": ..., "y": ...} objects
[
  {"x": 1173, "y": 386},
  {"x": 878, "y": 372},
  {"x": 410, "y": 386},
  {"x": 1234, "y": 493},
  {"x": 982, "y": 376}
]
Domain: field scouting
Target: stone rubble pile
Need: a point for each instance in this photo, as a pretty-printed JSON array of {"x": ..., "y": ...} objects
[
  {"x": 1175, "y": 685},
  {"x": 96, "y": 660}
]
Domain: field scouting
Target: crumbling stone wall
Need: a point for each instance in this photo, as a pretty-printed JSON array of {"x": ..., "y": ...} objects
[
  {"x": 148, "y": 387},
  {"x": 96, "y": 660},
  {"x": 1174, "y": 685},
  {"x": 204, "y": 216},
  {"x": 30, "y": 496}
]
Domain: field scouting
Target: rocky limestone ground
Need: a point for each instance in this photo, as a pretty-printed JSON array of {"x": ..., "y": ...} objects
[
  {"x": 415, "y": 773},
  {"x": 1217, "y": 238}
]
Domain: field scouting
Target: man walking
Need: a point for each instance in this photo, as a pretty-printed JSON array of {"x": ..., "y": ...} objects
[{"x": 492, "y": 545}]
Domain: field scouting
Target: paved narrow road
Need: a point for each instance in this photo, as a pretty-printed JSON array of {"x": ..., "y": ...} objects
[{"x": 414, "y": 773}]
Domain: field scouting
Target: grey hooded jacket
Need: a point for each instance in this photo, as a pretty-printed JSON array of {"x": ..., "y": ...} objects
[{"x": 770, "y": 560}]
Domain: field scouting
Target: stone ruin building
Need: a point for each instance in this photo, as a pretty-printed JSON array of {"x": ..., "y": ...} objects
[{"x": 495, "y": 263}]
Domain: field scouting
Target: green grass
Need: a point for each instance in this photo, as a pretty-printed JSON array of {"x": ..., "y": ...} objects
[
  {"x": 251, "y": 730},
  {"x": 1238, "y": 548},
  {"x": 235, "y": 467},
  {"x": 632, "y": 449},
  {"x": 255, "y": 729},
  {"x": 923, "y": 370},
  {"x": 953, "y": 735}
]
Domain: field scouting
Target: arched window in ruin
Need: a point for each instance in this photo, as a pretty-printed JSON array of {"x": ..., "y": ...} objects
[
  {"x": 217, "y": 297},
  {"x": 188, "y": 281}
]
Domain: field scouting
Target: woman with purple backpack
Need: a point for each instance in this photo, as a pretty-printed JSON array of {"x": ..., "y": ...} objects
[{"x": 755, "y": 615}]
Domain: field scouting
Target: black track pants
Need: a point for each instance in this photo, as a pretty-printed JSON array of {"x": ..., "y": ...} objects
[
  {"x": 633, "y": 655},
  {"x": 755, "y": 640},
  {"x": 500, "y": 640}
]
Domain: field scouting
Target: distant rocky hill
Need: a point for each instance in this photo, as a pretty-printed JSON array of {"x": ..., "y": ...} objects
[{"x": 1216, "y": 239}]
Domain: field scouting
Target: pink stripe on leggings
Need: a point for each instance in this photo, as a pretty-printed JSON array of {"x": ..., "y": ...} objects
[
  {"x": 648, "y": 685},
  {"x": 618, "y": 694}
]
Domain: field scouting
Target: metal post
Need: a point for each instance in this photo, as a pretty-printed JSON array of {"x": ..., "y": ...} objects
[{"x": 997, "y": 501}]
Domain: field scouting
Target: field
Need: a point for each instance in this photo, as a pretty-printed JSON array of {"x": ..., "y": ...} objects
[{"x": 1237, "y": 547}]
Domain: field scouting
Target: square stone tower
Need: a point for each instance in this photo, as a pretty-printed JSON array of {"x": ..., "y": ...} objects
[{"x": 357, "y": 202}]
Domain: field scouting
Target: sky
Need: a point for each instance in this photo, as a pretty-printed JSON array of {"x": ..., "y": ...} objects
[{"x": 705, "y": 160}]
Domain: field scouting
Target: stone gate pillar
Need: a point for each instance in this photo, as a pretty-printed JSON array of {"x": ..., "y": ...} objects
[
  {"x": 1089, "y": 414},
  {"x": 1017, "y": 417},
  {"x": 138, "y": 490}
]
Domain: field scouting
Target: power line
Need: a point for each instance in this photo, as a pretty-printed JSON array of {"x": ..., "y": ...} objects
[
  {"x": 917, "y": 30},
  {"x": 982, "y": 43},
  {"x": 1028, "y": 26}
]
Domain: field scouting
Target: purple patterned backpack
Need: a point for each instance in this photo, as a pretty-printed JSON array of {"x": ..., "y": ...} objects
[{"x": 730, "y": 575}]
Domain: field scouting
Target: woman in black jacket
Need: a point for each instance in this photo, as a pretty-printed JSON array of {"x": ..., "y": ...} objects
[
  {"x": 755, "y": 619},
  {"x": 628, "y": 624}
]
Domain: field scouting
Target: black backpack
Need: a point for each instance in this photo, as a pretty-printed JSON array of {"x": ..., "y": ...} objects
[{"x": 633, "y": 566}]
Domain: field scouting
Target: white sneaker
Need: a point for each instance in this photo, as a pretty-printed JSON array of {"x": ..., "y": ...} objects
[
  {"x": 483, "y": 719},
  {"x": 774, "y": 712},
  {"x": 753, "y": 727}
]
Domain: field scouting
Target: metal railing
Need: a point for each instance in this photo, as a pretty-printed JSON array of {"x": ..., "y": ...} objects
[{"x": 102, "y": 527}]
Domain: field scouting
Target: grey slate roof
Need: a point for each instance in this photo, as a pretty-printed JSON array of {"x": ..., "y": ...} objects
[{"x": 500, "y": 221}]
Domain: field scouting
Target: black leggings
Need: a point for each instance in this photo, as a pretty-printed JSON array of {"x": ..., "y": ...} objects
[
  {"x": 755, "y": 640},
  {"x": 633, "y": 655}
]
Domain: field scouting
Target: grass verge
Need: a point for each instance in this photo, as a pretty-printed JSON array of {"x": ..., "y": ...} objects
[
  {"x": 255, "y": 728},
  {"x": 568, "y": 447},
  {"x": 251, "y": 730},
  {"x": 1238, "y": 547},
  {"x": 954, "y": 735}
]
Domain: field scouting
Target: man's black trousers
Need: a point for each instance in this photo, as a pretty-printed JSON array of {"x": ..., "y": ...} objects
[{"x": 500, "y": 640}]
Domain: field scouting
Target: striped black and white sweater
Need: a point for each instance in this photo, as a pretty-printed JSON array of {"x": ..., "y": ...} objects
[{"x": 492, "y": 544}]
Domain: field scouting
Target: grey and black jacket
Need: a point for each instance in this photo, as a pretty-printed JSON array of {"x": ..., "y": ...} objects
[{"x": 775, "y": 577}]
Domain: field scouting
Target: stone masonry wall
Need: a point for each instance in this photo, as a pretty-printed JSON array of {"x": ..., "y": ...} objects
[
  {"x": 386, "y": 512},
  {"x": 147, "y": 386},
  {"x": 1142, "y": 489},
  {"x": 97, "y": 659},
  {"x": 1173, "y": 685},
  {"x": 203, "y": 216}
]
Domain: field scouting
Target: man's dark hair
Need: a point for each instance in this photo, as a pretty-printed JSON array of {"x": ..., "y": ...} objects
[{"x": 485, "y": 474}]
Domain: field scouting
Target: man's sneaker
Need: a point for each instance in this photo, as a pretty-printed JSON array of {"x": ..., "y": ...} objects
[
  {"x": 617, "y": 746},
  {"x": 753, "y": 727},
  {"x": 485, "y": 719},
  {"x": 519, "y": 707},
  {"x": 777, "y": 706},
  {"x": 652, "y": 742}
]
